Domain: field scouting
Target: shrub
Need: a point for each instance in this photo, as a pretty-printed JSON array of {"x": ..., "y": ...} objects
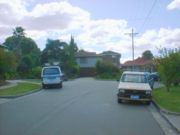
[
  {"x": 36, "y": 72},
  {"x": 107, "y": 70},
  {"x": 168, "y": 67}
]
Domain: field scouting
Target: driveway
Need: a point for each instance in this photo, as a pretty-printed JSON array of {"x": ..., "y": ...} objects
[{"x": 82, "y": 107}]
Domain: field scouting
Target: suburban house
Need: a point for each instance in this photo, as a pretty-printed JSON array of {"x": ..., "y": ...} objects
[
  {"x": 87, "y": 60},
  {"x": 139, "y": 64},
  {"x": 111, "y": 56}
]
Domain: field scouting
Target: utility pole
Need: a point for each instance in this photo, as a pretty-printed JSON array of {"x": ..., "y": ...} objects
[{"x": 132, "y": 36}]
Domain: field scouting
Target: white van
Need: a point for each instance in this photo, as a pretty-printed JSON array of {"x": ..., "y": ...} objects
[{"x": 51, "y": 76}]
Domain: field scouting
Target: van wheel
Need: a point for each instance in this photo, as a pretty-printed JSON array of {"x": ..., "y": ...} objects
[
  {"x": 119, "y": 100},
  {"x": 43, "y": 86}
]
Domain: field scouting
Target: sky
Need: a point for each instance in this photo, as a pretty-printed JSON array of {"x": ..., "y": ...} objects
[{"x": 96, "y": 25}]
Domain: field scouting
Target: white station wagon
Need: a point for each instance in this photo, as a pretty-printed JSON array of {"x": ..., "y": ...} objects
[{"x": 135, "y": 86}]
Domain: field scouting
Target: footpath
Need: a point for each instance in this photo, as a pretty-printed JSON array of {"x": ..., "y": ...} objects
[{"x": 173, "y": 118}]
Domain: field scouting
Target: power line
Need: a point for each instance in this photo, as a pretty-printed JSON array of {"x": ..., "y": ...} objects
[{"x": 148, "y": 15}]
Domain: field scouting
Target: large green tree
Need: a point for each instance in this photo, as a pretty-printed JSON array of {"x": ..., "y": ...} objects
[
  {"x": 169, "y": 66},
  {"x": 24, "y": 48},
  {"x": 54, "y": 51},
  {"x": 62, "y": 52},
  {"x": 8, "y": 64}
]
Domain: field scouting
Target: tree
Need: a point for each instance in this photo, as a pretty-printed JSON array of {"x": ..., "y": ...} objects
[
  {"x": 70, "y": 62},
  {"x": 23, "y": 48},
  {"x": 147, "y": 55},
  {"x": 18, "y": 32},
  {"x": 54, "y": 51},
  {"x": 168, "y": 66},
  {"x": 8, "y": 64},
  {"x": 58, "y": 51},
  {"x": 26, "y": 64},
  {"x": 72, "y": 46}
]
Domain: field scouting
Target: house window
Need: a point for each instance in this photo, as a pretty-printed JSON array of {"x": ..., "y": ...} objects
[{"x": 83, "y": 60}]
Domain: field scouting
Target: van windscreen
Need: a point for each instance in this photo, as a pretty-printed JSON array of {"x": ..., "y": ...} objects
[{"x": 51, "y": 71}]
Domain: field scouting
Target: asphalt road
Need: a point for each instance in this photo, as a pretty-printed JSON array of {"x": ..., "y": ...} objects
[{"x": 82, "y": 107}]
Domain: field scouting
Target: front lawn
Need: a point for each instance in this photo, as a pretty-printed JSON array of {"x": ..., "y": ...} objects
[
  {"x": 21, "y": 88},
  {"x": 168, "y": 100}
]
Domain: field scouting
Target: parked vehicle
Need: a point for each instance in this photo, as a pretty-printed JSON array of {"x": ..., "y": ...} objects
[
  {"x": 155, "y": 76},
  {"x": 150, "y": 79},
  {"x": 64, "y": 77},
  {"x": 51, "y": 76},
  {"x": 135, "y": 86}
]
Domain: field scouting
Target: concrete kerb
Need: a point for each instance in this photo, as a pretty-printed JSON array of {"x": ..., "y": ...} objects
[
  {"x": 20, "y": 95},
  {"x": 162, "y": 111}
]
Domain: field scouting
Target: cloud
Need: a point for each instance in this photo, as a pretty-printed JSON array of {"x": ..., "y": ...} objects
[
  {"x": 55, "y": 15},
  {"x": 98, "y": 39},
  {"x": 175, "y": 4},
  {"x": 5, "y": 30},
  {"x": 58, "y": 20}
]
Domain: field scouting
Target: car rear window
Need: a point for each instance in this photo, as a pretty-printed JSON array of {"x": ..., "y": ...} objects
[
  {"x": 51, "y": 71},
  {"x": 134, "y": 78}
]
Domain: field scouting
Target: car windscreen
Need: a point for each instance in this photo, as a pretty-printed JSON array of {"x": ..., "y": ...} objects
[
  {"x": 134, "y": 78},
  {"x": 51, "y": 71}
]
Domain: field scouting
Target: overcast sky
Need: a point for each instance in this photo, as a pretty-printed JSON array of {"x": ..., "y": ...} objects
[{"x": 97, "y": 25}]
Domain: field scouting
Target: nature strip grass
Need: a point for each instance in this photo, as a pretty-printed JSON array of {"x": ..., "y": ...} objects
[
  {"x": 168, "y": 100},
  {"x": 20, "y": 88}
]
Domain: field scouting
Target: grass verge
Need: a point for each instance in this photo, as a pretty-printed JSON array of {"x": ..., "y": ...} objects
[
  {"x": 168, "y": 100},
  {"x": 21, "y": 88}
]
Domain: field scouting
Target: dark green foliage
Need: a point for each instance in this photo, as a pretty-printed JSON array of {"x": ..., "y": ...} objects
[
  {"x": 107, "y": 70},
  {"x": 36, "y": 72},
  {"x": 18, "y": 32},
  {"x": 29, "y": 57},
  {"x": 25, "y": 50},
  {"x": 169, "y": 66},
  {"x": 54, "y": 51},
  {"x": 7, "y": 65},
  {"x": 147, "y": 55},
  {"x": 57, "y": 51}
]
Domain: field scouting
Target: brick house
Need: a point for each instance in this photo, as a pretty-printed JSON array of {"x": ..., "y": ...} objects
[
  {"x": 87, "y": 61},
  {"x": 139, "y": 64}
]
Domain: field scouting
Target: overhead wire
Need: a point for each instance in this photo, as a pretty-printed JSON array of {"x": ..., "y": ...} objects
[{"x": 147, "y": 16}]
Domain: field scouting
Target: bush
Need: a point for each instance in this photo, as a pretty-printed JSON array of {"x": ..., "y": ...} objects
[
  {"x": 36, "y": 72},
  {"x": 107, "y": 70},
  {"x": 8, "y": 65},
  {"x": 168, "y": 67}
]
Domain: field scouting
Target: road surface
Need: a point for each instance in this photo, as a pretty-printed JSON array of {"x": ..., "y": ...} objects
[{"x": 82, "y": 107}]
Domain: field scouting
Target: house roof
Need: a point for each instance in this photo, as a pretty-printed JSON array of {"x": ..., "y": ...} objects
[
  {"x": 110, "y": 53},
  {"x": 83, "y": 53},
  {"x": 138, "y": 62}
]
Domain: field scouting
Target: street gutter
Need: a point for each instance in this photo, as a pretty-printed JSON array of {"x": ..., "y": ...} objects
[{"x": 163, "y": 111}]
